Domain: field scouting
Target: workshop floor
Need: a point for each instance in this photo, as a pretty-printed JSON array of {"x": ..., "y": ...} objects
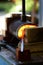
[{"x": 9, "y": 58}]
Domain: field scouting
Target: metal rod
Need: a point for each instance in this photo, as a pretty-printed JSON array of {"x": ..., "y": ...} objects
[
  {"x": 23, "y": 11},
  {"x": 11, "y": 49},
  {"x": 40, "y": 13}
]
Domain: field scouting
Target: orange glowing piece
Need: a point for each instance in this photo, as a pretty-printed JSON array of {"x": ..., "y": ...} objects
[{"x": 21, "y": 31}]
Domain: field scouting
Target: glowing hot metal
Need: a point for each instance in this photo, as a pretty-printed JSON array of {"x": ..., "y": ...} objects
[{"x": 22, "y": 28}]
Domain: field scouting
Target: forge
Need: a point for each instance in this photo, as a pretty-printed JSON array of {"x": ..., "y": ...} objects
[
  {"x": 29, "y": 49},
  {"x": 17, "y": 29},
  {"x": 17, "y": 26}
]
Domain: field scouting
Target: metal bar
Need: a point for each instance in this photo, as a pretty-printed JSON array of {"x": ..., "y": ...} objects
[
  {"x": 11, "y": 49},
  {"x": 40, "y": 13},
  {"x": 23, "y": 11},
  {"x": 23, "y": 7}
]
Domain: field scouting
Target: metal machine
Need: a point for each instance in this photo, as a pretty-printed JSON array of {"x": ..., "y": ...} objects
[{"x": 29, "y": 33}]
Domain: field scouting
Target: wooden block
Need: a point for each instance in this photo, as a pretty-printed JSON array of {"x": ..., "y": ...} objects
[
  {"x": 23, "y": 56},
  {"x": 34, "y": 34}
]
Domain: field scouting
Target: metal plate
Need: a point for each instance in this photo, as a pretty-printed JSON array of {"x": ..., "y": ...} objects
[{"x": 3, "y": 61}]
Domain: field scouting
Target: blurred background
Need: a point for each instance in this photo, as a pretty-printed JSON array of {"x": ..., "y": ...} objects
[{"x": 16, "y": 5}]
